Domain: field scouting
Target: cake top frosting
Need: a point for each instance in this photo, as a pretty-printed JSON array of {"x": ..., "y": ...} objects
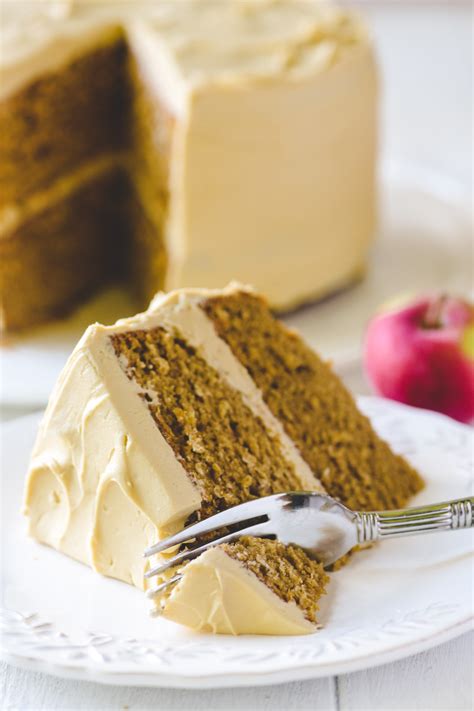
[{"x": 208, "y": 39}]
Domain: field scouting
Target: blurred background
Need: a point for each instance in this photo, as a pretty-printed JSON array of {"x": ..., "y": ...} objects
[
  {"x": 426, "y": 51},
  {"x": 426, "y": 54}
]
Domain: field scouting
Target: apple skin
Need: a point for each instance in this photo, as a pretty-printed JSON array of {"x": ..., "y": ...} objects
[{"x": 421, "y": 354}]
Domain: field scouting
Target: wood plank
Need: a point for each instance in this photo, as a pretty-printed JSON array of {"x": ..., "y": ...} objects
[
  {"x": 30, "y": 691},
  {"x": 441, "y": 678}
]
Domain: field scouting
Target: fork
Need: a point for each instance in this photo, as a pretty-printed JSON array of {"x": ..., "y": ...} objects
[{"x": 322, "y": 526}]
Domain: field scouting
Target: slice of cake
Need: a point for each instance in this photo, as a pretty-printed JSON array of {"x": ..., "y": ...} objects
[
  {"x": 166, "y": 144},
  {"x": 253, "y": 586},
  {"x": 200, "y": 403}
]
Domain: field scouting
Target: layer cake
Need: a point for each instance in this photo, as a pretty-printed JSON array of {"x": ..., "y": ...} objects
[
  {"x": 200, "y": 403},
  {"x": 221, "y": 139}
]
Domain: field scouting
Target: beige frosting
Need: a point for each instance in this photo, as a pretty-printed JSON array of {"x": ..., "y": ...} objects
[
  {"x": 217, "y": 594},
  {"x": 104, "y": 484},
  {"x": 272, "y": 171},
  {"x": 207, "y": 40}
]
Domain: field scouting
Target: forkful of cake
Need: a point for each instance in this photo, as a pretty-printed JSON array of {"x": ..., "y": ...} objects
[{"x": 323, "y": 527}]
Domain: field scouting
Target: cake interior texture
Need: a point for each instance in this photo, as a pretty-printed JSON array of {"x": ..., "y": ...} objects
[
  {"x": 64, "y": 118},
  {"x": 73, "y": 164},
  {"x": 95, "y": 253},
  {"x": 285, "y": 569},
  {"x": 104, "y": 114}
]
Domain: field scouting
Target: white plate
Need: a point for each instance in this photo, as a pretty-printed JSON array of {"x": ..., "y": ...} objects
[
  {"x": 392, "y": 601},
  {"x": 423, "y": 243}
]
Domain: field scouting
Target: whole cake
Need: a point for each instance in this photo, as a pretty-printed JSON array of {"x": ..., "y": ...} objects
[
  {"x": 200, "y": 403},
  {"x": 168, "y": 144}
]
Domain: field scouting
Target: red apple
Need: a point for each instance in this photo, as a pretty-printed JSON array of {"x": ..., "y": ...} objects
[{"x": 422, "y": 353}]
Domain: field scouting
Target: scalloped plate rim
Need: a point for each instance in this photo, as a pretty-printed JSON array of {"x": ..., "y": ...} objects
[
  {"x": 282, "y": 670},
  {"x": 225, "y": 679}
]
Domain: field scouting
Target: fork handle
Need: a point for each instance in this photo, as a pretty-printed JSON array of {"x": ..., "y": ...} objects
[{"x": 449, "y": 515}]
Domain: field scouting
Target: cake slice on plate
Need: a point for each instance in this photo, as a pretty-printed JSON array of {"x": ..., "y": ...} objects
[{"x": 200, "y": 403}]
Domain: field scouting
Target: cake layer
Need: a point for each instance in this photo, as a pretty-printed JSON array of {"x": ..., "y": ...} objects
[
  {"x": 64, "y": 118},
  {"x": 64, "y": 249},
  {"x": 207, "y": 41},
  {"x": 181, "y": 310},
  {"x": 14, "y": 215},
  {"x": 316, "y": 410},
  {"x": 92, "y": 218}
]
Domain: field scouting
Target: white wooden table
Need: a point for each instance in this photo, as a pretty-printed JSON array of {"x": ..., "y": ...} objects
[
  {"x": 426, "y": 55},
  {"x": 438, "y": 679}
]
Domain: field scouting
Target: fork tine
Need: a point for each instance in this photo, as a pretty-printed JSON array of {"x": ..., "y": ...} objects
[
  {"x": 236, "y": 514},
  {"x": 259, "y": 529},
  {"x": 163, "y": 586}
]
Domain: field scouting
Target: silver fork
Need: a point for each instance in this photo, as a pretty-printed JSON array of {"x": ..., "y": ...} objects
[{"x": 320, "y": 525}]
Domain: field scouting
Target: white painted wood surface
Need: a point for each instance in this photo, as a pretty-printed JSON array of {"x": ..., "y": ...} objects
[
  {"x": 441, "y": 678},
  {"x": 426, "y": 55}
]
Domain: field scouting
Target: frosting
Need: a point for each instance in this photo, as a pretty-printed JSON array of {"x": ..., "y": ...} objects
[
  {"x": 217, "y": 594},
  {"x": 208, "y": 40},
  {"x": 277, "y": 203},
  {"x": 104, "y": 484}
]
